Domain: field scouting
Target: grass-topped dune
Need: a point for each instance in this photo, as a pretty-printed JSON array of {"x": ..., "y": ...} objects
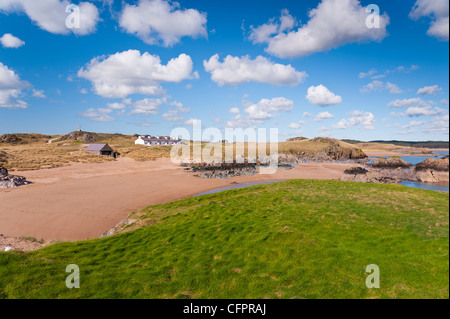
[
  {"x": 36, "y": 151},
  {"x": 295, "y": 239}
]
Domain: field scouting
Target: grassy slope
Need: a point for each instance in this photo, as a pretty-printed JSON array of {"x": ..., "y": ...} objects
[{"x": 295, "y": 239}]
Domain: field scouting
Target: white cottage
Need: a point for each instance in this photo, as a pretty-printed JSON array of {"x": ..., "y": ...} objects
[{"x": 152, "y": 141}]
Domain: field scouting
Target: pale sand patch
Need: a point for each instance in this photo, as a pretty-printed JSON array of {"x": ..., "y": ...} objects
[{"x": 83, "y": 201}]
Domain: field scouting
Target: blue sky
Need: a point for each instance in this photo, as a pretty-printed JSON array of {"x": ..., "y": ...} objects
[{"x": 309, "y": 68}]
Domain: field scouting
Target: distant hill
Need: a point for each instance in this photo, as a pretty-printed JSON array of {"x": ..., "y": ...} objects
[
  {"x": 24, "y": 138},
  {"x": 425, "y": 144},
  {"x": 90, "y": 137}
]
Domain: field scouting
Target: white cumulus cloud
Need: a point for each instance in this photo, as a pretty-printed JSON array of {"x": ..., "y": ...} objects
[
  {"x": 438, "y": 125},
  {"x": 358, "y": 118},
  {"x": 238, "y": 70},
  {"x": 129, "y": 72},
  {"x": 154, "y": 21},
  {"x": 50, "y": 15},
  {"x": 98, "y": 115},
  {"x": 424, "y": 110},
  {"x": 258, "y": 113},
  {"x": 407, "y": 102},
  {"x": 268, "y": 108},
  {"x": 10, "y": 41},
  {"x": 297, "y": 125},
  {"x": 377, "y": 85},
  {"x": 416, "y": 107},
  {"x": 173, "y": 114},
  {"x": 323, "y": 116},
  {"x": 429, "y": 90},
  {"x": 11, "y": 87},
  {"x": 147, "y": 106},
  {"x": 320, "y": 95},
  {"x": 332, "y": 24},
  {"x": 438, "y": 11},
  {"x": 39, "y": 94}
]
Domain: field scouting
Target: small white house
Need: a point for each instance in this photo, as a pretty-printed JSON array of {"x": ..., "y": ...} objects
[{"x": 152, "y": 141}]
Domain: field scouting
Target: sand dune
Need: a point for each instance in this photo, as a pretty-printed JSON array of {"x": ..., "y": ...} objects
[{"x": 83, "y": 201}]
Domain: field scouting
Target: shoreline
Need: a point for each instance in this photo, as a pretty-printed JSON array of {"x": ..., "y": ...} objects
[
  {"x": 82, "y": 201},
  {"x": 388, "y": 154}
]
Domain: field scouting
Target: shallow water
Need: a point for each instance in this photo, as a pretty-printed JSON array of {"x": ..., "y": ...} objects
[
  {"x": 410, "y": 159},
  {"x": 441, "y": 152},
  {"x": 415, "y": 160},
  {"x": 431, "y": 186},
  {"x": 434, "y": 187}
]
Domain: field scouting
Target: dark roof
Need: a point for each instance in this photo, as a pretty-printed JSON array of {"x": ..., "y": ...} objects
[{"x": 98, "y": 147}]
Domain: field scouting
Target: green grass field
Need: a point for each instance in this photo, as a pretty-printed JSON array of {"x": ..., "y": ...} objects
[{"x": 295, "y": 239}]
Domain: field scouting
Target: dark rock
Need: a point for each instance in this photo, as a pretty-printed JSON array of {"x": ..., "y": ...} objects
[
  {"x": 3, "y": 171},
  {"x": 222, "y": 170},
  {"x": 10, "y": 138},
  {"x": 356, "y": 170},
  {"x": 360, "y": 174},
  {"x": 9, "y": 181}
]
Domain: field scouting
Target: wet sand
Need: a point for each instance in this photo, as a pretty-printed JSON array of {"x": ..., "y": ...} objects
[{"x": 83, "y": 201}]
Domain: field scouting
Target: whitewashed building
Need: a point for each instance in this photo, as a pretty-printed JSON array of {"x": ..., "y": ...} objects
[{"x": 153, "y": 141}]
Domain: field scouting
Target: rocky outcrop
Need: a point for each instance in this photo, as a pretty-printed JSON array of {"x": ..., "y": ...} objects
[
  {"x": 394, "y": 169},
  {"x": 119, "y": 227},
  {"x": 434, "y": 164},
  {"x": 336, "y": 152},
  {"x": 227, "y": 170},
  {"x": 360, "y": 174},
  {"x": 391, "y": 162},
  {"x": 222, "y": 170},
  {"x": 430, "y": 176},
  {"x": 9, "y": 181},
  {"x": 299, "y": 138},
  {"x": 433, "y": 170},
  {"x": 84, "y": 137},
  {"x": 320, "y": 149},
  {"x": 10, "y": 138}
]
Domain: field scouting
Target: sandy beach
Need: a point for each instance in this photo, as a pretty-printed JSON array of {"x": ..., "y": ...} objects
[{"x": 83, "y": 201}]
